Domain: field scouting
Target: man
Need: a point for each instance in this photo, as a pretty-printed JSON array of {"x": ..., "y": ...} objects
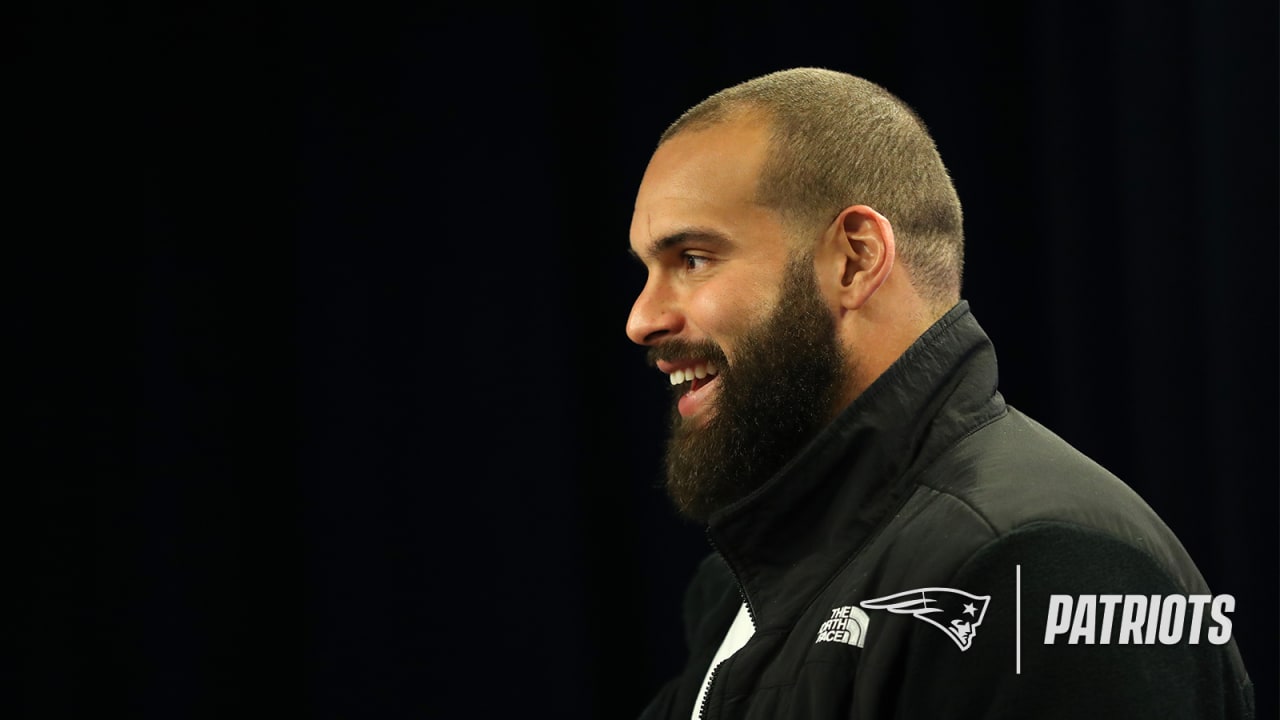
[{"x": 891, "y": 538}]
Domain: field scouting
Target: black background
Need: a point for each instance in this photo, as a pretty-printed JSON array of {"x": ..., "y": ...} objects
[{"x": 349, "y": 427}]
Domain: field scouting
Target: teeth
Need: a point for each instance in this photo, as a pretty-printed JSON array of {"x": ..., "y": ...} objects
[{"x": 698, "y": 371}]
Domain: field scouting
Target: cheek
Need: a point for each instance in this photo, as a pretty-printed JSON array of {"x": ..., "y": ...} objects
[{"x": 722, "y": 313}]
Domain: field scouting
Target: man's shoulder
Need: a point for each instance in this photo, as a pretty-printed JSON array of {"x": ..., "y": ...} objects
[
  {"x": 1015, "y": 470},
  {"x": 1014, "y": 476}
]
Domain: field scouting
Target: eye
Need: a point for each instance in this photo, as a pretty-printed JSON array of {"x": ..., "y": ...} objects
[{"x": 693, "y": 262}]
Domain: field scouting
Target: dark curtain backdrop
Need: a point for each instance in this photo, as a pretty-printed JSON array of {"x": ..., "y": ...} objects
[{"x": 351, "y": 428}]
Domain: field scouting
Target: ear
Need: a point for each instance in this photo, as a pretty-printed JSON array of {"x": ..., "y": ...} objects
[{"x": 862, "y": 244}]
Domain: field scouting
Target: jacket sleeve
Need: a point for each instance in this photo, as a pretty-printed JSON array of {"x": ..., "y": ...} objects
[{"x": 1083, "y": 665}]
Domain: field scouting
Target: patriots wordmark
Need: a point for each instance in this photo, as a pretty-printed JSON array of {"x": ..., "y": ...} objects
[
  {"x": 1138, "y": 619},
  {"x": 955, "y": 612}
]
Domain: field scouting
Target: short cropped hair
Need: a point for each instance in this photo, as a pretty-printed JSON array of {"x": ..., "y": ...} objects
[{"x": 839, "y": 140}]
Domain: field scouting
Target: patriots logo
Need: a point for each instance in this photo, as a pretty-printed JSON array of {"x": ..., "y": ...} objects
[{"x": 955, "y": 612}]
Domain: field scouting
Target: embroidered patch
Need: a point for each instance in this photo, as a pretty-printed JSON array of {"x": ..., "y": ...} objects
[{"x": 847, "y": 625}]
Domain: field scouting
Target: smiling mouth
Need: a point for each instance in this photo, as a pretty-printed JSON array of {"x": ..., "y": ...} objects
[{"x": 696, "y": 376}]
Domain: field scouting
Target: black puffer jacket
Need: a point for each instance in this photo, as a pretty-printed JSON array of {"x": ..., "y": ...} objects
[{"x": 907, "y": 563}]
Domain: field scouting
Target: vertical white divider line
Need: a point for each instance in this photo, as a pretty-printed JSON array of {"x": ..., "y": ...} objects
[{"x": 1017, "y": 630}]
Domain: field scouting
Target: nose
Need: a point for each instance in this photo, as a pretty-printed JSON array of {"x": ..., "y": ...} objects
[{"x": 654, "y": 315}]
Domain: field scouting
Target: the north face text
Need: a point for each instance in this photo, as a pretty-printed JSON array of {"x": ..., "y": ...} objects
[{"x": 847, "y": 625}]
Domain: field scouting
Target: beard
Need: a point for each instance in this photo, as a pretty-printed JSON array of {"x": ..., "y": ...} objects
[{"x": 782, "y": 388}]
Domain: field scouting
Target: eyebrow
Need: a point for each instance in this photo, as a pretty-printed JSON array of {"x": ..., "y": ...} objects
[{"x": 666, "y": 243}]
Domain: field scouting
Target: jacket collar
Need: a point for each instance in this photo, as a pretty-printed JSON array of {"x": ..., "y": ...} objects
[{"x": 790, "y": 536}]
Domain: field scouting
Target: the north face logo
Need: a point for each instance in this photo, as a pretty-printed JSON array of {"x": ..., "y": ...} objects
[
  {"x": 846, "y": 625},
  {"x": 955, "y": 612}
]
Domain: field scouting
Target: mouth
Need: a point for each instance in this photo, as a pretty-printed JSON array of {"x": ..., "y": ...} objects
[
  {"x": 694, "y": 381},
  {"x": 696, "y": 376}
]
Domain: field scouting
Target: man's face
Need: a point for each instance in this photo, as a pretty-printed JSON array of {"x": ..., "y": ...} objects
[{"x": 732, "y": 315}]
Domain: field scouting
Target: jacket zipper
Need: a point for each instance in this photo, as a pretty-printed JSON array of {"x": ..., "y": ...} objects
[
  {"x": 737, "y": 580},
  {"x": 711, "y": 681}
]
